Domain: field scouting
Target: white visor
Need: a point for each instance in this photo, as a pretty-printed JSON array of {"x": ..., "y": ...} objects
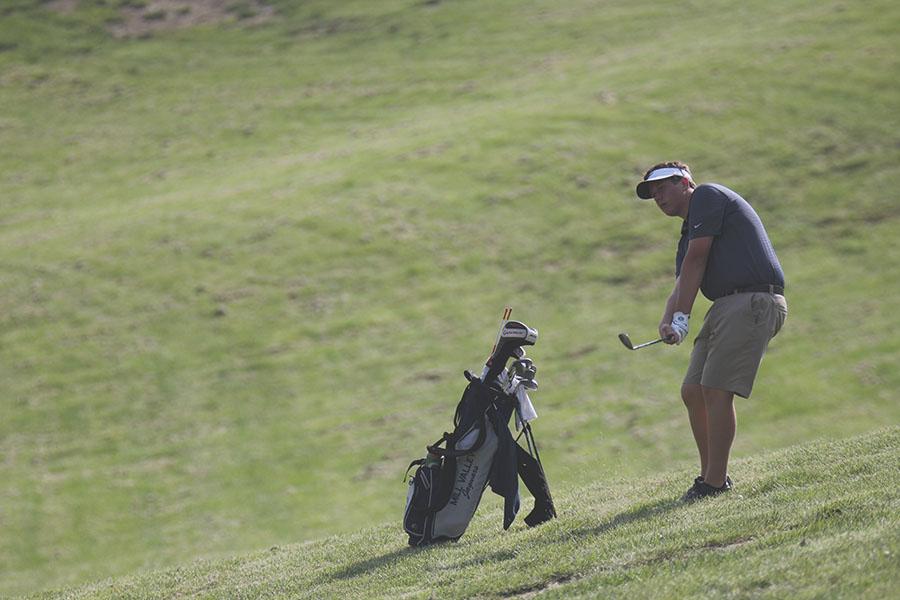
[{"x": 643, "y": 188}]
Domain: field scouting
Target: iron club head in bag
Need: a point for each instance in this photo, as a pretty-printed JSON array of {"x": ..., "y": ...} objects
[
  {"x": 529, "y": 384},
  {"x": 521, "y": 366}
]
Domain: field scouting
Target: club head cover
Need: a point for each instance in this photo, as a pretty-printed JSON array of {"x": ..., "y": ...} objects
[{"x": 513, "y": 336}]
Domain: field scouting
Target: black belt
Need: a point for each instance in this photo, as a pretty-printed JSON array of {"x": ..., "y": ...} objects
[{"x": 763, "y": 287}]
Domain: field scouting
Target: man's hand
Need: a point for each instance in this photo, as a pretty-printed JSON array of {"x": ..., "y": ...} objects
[
  {"x": 679, "y": 326},
  {"x": 667, "y": 333}
]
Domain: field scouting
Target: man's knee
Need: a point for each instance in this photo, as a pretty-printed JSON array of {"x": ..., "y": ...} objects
[
  {"x": 716, "y": 396},
  {"x": 692, "y": 395}
]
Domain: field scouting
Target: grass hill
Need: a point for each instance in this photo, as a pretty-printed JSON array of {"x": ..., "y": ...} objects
[
  {"x": 245, "y": 262},
  {"x": 814, "y": 521}
]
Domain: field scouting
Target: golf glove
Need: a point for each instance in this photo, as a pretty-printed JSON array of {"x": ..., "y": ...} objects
[{"x": 680, "y": 325}]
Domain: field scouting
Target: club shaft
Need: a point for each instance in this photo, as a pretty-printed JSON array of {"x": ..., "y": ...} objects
[{"x": 645, "y": 344}]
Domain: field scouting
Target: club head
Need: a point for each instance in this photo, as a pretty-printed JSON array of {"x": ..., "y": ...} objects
[
  {"x": 517, "y": 333},
  {"x": 513, "y": 336},
  {"x": 521, "y": 366},
  {"x": 623, "y": 337}
]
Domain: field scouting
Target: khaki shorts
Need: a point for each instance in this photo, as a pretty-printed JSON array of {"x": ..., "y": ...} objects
[{"x": 735, "y": 334}]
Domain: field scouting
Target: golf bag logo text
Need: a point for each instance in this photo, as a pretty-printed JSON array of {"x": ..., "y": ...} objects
[{"x": 465, "y": 480}]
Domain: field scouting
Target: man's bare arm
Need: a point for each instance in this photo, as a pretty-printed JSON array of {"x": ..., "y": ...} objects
[
  {"x": 692, "y": 269},
  {"x": 665, "y": 325}
]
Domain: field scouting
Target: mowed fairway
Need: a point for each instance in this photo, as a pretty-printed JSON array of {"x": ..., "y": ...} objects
[
  {"x": 244, "y": 266},
  {"x": 815, "y": 520}
]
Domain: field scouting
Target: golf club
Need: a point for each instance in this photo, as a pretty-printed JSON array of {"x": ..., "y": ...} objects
[
  {"x": 521, "y": 366},
  {"x": 623, "y": 337},
  {"x": 529, "y": 384},
  {"x": 513, "y": 334}
]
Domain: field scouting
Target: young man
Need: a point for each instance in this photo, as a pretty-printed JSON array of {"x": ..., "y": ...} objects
[{"x": 724, "y": 251}]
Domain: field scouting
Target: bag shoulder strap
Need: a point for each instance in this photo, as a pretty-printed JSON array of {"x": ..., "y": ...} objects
[{"x": 419, "y": 461}]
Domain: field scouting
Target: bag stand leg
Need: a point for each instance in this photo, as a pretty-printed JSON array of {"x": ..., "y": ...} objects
[{"x": 532, "y": 474}]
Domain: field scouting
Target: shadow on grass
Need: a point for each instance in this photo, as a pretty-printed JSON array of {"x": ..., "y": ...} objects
[
  {"x": 372, "y": 564},
  {"x": 363, "y": 567},
  {"x": 630, "y": 516},
  {"x": 387, "y": 560}
]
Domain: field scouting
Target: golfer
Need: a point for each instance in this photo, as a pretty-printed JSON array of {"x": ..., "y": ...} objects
[{"x": 724, "y": 251}]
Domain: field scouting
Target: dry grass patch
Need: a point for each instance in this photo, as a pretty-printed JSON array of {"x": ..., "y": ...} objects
[{"x": 140, "y": 18}]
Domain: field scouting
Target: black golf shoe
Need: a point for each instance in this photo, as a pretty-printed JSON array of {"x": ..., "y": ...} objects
[
  {"x": 701, "y": 489},
  {"x": 692, "y": 491}
]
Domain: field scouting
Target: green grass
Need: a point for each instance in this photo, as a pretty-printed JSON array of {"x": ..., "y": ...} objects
[
  {"x": 244, "y": 267},
  {"x": 814, "y": 521}
]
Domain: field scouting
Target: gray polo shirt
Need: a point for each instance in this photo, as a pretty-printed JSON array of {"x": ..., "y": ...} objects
[{"x": 741, "y": 254}]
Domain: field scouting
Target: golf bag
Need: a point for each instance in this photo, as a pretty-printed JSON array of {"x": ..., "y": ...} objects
[{"x": 447, "y": 486}]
